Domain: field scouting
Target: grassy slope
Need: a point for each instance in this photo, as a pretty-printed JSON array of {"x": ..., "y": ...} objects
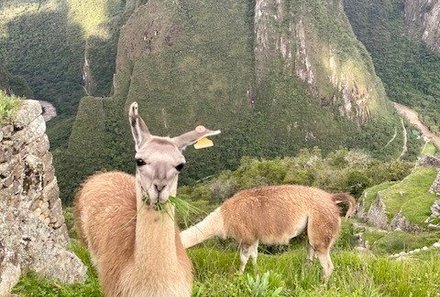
[
  {"x": 411, "y": 195},
  {"x": 369, "y": 194}
]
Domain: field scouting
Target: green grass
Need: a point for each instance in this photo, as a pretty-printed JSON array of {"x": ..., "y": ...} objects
[
  {"x": 429, "y": 149},
  {"x": 8, "y": 105},
  {"x": 285, "y": 273},
  {"x": 370, "y": 194},
  {"x": 354, "y": 275},
  {"x": 216, "y": 275},
  {"x": 411, "y": 195},
  {"x": 399, "y": 241}
]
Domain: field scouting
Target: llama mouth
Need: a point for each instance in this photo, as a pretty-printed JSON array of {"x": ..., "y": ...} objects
[{"x": 146, "y": 200}]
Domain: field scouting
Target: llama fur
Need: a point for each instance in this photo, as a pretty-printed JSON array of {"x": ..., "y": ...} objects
[
  {"x": 273, "y": 215},
  {"x": 134, "y": 243},
  {"x": 110, "y": 224}
]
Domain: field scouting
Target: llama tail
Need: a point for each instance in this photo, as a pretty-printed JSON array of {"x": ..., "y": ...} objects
[
  {"x": 345, "y": 198},
  {"x": 210, "y": 226}
]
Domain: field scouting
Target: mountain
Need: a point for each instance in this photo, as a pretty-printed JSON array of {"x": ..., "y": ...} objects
[
  {"x": 61, "y": 49},
  {"x": 402, "y": 38},
  {"x": 273, "y": 76},
  {"x": 422, "y": 17}
]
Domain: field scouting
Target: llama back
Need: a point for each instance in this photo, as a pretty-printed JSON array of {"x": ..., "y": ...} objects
[
  {"x": 105, "y": 211},
  {"x": 274, "y": 214}
]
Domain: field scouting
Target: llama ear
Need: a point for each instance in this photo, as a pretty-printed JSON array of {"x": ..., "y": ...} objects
[
  {"x": 139, "y": 129},
  {"x": 192, "y": 137}
]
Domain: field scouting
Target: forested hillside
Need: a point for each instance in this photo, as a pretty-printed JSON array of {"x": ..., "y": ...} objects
[
  {"x": 300, "y": 90},
  {"x": 274, "y": 77},
  {"x": 404, "y": 61}
]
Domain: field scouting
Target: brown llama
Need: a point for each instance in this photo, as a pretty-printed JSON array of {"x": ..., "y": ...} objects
[
  {"x": 127, "y": 225},
  {"x": 274, "y": 215}
]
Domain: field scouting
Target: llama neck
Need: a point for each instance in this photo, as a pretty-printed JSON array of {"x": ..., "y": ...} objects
[
  {"x": 155, "y": 247},
  {"x": 212, "y": 225}
]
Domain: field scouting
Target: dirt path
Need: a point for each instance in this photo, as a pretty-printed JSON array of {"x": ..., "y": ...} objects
[{"x": 413, "y": 118}]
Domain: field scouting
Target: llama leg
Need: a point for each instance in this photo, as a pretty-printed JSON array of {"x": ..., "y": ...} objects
[
  {"x": 253, "y": 250},
  {"x": 326, "y": 263},
  {"x": 244, "y": 256},
  {"x": 311, "y": 253}
]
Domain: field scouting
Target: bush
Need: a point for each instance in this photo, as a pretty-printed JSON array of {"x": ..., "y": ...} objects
[{"x": 8, "y": 105}]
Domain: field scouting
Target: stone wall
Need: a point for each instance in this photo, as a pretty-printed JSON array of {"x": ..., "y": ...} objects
[
  {"x": 33, "y": 235},
  {"x": 435, "y": 187}
]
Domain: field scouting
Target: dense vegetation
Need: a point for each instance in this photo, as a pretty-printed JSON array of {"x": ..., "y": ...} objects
[
  {"x": 408, "y": 68},
  {"x": 194, "y": 63},
  {"x": 52, "y": 64}
]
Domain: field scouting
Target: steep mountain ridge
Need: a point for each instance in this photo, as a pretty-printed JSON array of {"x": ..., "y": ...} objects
[
  {"x": 334, "y": 65},
  {"x": 273, "y": 76},
  {"x": 395, "y": 32},
  {"x": 423, "y": 20}
]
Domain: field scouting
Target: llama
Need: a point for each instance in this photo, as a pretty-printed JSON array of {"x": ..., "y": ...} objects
[
  {"x": 274, "y": 215},
  {"x": 127, "y": 225}
]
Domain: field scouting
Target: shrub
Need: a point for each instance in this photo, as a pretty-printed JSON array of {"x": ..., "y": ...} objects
[{"x": 8, "y": 105}]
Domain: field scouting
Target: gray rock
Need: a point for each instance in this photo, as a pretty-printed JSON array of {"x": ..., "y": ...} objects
[
  {"x": 33, "y": 236},
  {"x": 435, "y": 208},
  {"x": 430, "y": 161},
  {"x": 376, "y": 214},
  {"x": 435, "y": 187},
  {"x": 28, "y": 134},
  {"x": 399, "y": 222},
  {"x": 28, "y": 112},
  {"x": 39, "y": 147},
  {"x": 51, "y": 193},
  {"x": 5, "y": 153},
  {"x": 7, "y": 131}
]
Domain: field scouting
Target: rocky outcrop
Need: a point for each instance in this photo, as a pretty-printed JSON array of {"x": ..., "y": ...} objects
[
  {"x": 423, "y": 21},
  {"x": 33, "y": 233},
  {"x": 339, "y": 76},
  {"x": 401, "y": 222},
  {"x": 433, "y": 219},
  {"x": 377, "y": 217},
  {"x": 430, "y": 161}
]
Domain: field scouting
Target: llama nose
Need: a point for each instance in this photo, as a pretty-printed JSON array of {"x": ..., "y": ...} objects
[{"x": 159, "y": 188}]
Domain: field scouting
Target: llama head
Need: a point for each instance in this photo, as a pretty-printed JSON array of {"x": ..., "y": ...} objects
[{"x": 159, "y": 159}]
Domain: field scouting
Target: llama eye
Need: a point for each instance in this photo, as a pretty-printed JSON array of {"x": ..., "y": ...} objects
[
  {"x": 180, "y": 166},
  {"x": 140, "y": 162}
]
